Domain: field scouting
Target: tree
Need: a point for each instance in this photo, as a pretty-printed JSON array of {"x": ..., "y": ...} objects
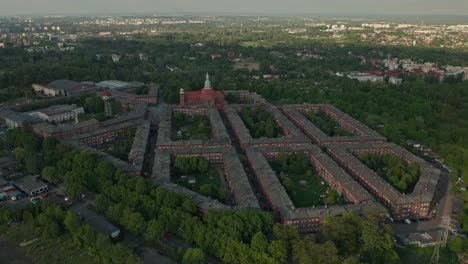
[
  {"x": 51, "y": 229},
  {"x": 101, "y": 203},
  {"x": 71, "y": 222},
  {"x": 50, "y": 173},
  {"x": 286, "y": 233},
  {"x": 193, "y": 256},
  {"x": 189, "y": 206},
  {"x": 259, "y": 242},
  {"x": 207, "y": 190},
  {"x": 203, "y": 165},
  {"x": 278, "y": 251},
  {"x": 345, "y": 232},
  {"x": 308, "y": 251},
  {"x": 377, "y": 243},
  {"x": 142, "y": 186},
  {"x": 154, "y": 231},
  {"x": 74, "y": 184},
  {"x": 457, "y": 245},
  {"x": 288, "y": 184}
]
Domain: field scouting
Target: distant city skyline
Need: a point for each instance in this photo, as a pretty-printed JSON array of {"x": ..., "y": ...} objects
[{"x": 352, "y": 7}]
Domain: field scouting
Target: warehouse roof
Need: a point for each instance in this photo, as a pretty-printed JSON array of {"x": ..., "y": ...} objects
[
  {"x": 96, "y": 221},
  {"x": 63, "y": 84},
  {"x": 29, "y": 183}
]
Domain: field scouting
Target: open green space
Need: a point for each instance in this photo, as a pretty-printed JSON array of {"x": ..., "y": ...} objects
[
  {"x": 392, "y": 168},
  {"x": 260, "y": 123},
  {"x": 303, "y": 187},
  {"x": 327, "y": 124},
  {"x": 94, "y": 108},
  {"x": 198, "y": 175},
  {"x": 196, "y": 127},
  {"x": 122, "y": 145},
  {"x": 46, "y": 250},
  {"x": 414, "y": 254},
  {"x": 48, "y": 234}
]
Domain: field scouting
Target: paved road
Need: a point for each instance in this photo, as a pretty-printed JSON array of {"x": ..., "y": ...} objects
[
  {"x": 445, "y": 200},
  {"x": 149, "y": 255}
]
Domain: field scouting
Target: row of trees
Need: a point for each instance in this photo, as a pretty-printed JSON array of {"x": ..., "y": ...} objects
[{"x": 189, "y": 165}]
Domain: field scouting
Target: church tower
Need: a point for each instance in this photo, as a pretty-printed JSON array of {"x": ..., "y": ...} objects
[
  {"x": 207, "y": 82},
  {"x": 181, "y": 97}
]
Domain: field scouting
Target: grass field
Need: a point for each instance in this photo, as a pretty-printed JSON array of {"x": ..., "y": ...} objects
[
  {"x": 190, "y": 127},
  {"x": 59, "y": 250},
  {"x": 207, "y": 183},
  {"x": 252, "y": 65},
  {"x": 413, "y": 255},
  {"x": 306, "y": 190},
  {"x": 209, "y": 177},
  {"x": 304, "y": 187}
]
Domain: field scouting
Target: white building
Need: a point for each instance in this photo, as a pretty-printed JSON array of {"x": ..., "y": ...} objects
[
  {"x": 391, "y": 64},
  {"x": 115, "y": 58},
  {"x": 395, "y": 81},
  {"x": 365, "y": 77},
  {"x": 58, "y": 113}
]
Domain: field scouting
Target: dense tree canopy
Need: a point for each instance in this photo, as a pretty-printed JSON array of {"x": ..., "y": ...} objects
[{"x": 260, "y": 123}]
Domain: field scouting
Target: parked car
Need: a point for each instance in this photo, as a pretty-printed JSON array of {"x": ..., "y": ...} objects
[{"x": 34, "y": 199}]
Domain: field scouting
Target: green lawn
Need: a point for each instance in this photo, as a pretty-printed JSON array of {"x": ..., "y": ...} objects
[
  {"x": 207, "y": 179},
  {"x": 195, "y": 127},
  {"x": 59, "y": 250},
  {"x": 327, "y": 124},
  {"x": 303, "y": 186},
  {"x": 414, "y": 255},
  {"x": 306, "y": 190}
]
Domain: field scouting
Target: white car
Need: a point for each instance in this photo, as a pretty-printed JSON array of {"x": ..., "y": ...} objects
[{"x": 34, "y": 199}]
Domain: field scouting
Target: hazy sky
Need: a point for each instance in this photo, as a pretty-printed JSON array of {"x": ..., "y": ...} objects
[{"x": 442, "y": 7}]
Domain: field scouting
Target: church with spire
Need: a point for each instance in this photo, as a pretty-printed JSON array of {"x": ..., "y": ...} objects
[{"x": 206, "y": 97}]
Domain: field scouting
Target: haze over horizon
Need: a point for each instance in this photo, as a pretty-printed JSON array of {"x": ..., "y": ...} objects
[{"x": 354, "y": 7}]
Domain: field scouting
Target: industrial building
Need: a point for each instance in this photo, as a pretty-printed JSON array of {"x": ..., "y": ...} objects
[
  {"x": 13, "y": 119},
  {"x": 63, "y": 88},
  {"x": 31, "y": 185},
  {"x": 57, "y": 113}
]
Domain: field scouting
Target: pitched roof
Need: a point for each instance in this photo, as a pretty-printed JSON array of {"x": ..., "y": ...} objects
[{"x": 63, "y": 84}]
